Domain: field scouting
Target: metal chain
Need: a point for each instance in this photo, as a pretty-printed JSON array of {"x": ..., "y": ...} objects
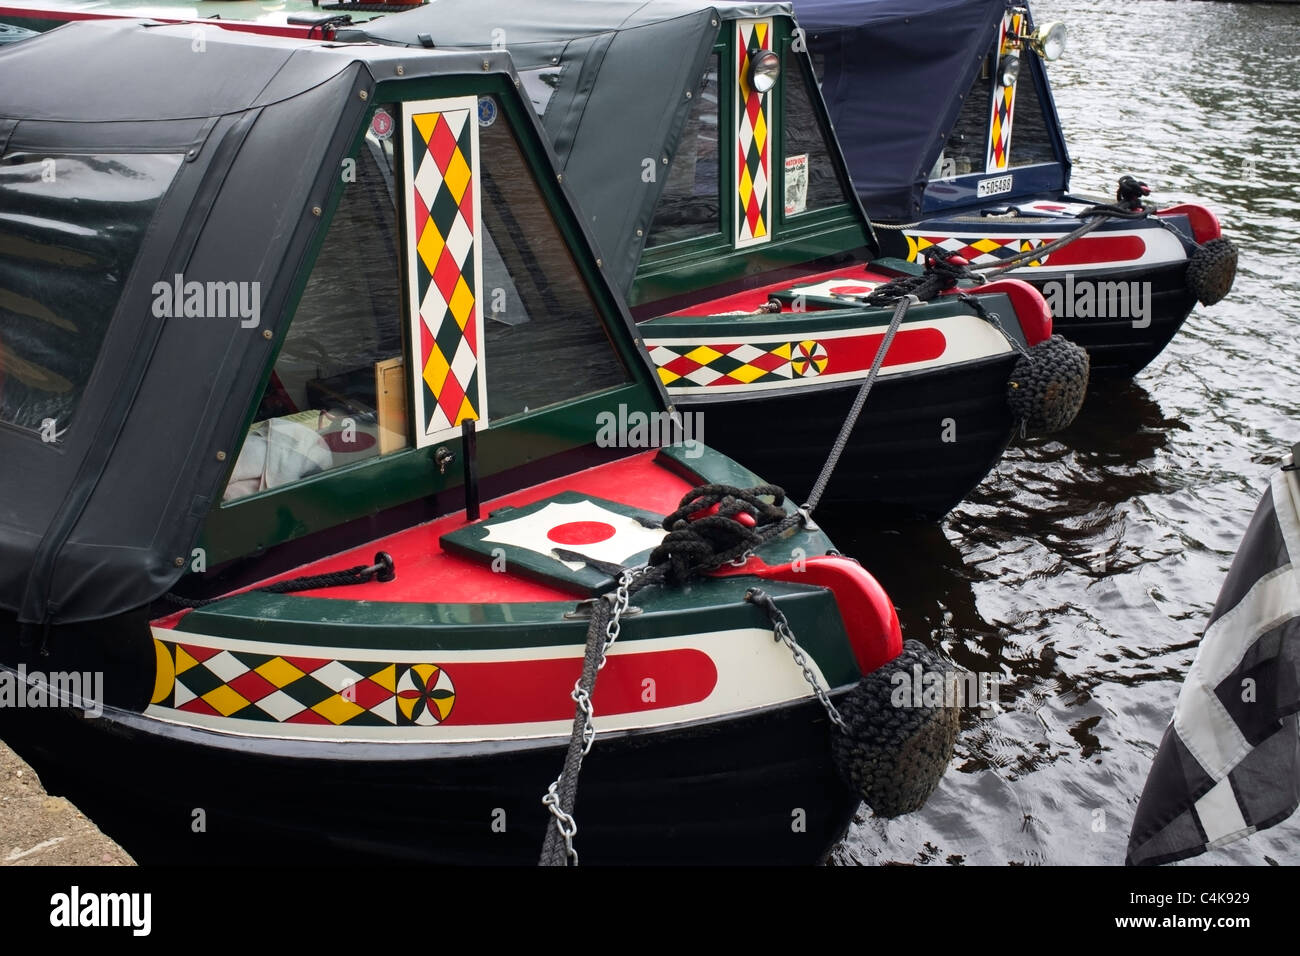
[
  {"x": 995, "y": 320},
  {"x": 581, "y": 696},
  {"x": 563, "y": 822},
  {"x": 781, "y": 632},
  {"x": 619, "y": 600}
]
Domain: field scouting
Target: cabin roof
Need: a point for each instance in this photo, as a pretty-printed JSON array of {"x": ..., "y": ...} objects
[
  {"x": 251, "y": 132},
  {"x": 178, "y": 71},
  {"x": 896, "y": 74},
  {"x": 625, "y": 68},
  {"x": 471, "y": 24}
]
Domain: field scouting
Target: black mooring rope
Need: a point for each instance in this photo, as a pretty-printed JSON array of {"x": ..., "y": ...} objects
[
  {"x": 691, "y": 547},
  {"x": 940, "y": 275},
  {"x": 383, "y": 570}
]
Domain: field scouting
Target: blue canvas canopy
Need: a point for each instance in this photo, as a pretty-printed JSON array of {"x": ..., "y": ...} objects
[{"x": 896, "y": 75}]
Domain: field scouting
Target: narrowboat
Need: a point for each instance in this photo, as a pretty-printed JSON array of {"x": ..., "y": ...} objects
[
  {"x": 307, "y": 19},
  {"x": 701, "y": 154},
  {"x": 327, "y": 452},
  {"x": 946, "y": 117},
  {"x": 763, "y": 317}
]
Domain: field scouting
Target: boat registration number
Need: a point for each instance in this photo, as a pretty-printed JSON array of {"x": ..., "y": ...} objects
[{"x": 993, "y": 187}]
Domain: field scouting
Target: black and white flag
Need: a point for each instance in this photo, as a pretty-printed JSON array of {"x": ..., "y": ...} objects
[{"x": 1229, "y": 763}]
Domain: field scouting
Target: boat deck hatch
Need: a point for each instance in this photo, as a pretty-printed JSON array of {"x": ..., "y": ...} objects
[{"x": 567, "y": 539}]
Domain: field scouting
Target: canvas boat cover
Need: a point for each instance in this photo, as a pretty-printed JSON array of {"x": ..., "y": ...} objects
[
  {"x": 895, "y": 75},
  {"x": 217, "y": 124},
  {"x": 620, "y": 96}
]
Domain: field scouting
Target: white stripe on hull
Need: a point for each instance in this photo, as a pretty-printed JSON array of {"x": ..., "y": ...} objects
[{"x": 753, "y": 671}]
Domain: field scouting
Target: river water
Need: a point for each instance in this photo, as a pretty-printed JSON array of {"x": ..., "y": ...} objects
[{"x": 1084, "y": 569}]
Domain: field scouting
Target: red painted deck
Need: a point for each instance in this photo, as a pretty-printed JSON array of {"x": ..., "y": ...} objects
[
  {"x": 425, "y": 573},
  {"x": 751, "y": 299}
]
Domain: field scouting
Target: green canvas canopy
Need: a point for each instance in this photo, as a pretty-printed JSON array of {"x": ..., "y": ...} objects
[
  {"x": 611, "y": 79},
  {"x": 118, "y": 424}
]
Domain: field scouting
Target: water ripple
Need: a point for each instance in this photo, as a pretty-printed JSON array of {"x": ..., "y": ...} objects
[{"x": 1084, "y": 569}]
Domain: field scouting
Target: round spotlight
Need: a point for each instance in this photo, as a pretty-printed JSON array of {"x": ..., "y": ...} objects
[
  {"x": 1048, "y": 40},
  {"x": 1009, "y": 69},
  {"x": 764, "y": 69}
]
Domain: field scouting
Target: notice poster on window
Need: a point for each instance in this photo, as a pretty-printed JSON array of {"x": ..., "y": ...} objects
[{"x": 796, "y": 184}]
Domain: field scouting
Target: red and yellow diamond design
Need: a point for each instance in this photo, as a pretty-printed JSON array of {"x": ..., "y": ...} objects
[
  {"x": 441, "y": 149},
  {"x": 975, "y": 251},
  {"x": 735, "y": 363},
  {"x": 242, "y": 685},
  {"x": 1004, "y": 98},
  {"x": 753, "y": 139}
]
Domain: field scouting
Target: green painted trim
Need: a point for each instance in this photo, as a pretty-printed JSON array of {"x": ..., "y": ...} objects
[
  {"x": 335, "y": 497},
  {"x": 706, "y": 605},
  {"x": 899, "y": 265},
  {"x": 696, "y": 264}
]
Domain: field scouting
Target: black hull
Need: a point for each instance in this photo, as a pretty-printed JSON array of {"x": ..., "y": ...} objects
[
  {"x": 1115, "y": 347},
  {"x": 722, "y": 792},
  {"x": 897, "y": 464}
]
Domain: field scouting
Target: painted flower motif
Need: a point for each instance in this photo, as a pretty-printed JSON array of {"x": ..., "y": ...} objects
[{"x": 425, "y": 695}]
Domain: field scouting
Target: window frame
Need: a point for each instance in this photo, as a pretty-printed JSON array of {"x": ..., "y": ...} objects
[
  {"x": 360, "y": 489},
  {"x": 681, "y": 268}
]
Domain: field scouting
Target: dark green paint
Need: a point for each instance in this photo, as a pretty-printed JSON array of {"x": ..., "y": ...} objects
[
  {"x": 696, "y": 264},
  {"x": 705, "y": 605},
  {"x": 340, "y": 495}
]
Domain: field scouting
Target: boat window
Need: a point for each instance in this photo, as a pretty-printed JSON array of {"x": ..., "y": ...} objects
[
  {"x": 1031, "y": 138},
  {"x": 690, "y": 205},
  {"x": 543, "y": 339},
  {"x": 70, "y": 229},
  {"x": 963, "y": 152},
  {"x": 338, "y": 393},
  {"x": 811, "y": 180},
  {"x": 539, "y": 86}
]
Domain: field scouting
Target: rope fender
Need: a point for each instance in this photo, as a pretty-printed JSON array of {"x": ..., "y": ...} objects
[
  {"x": 1211, "y": 269},
  {"x": 1047, "y": 385},
  {"x": 893, "y": 757},
  {"x": 890, "y": 750},
  {"x": 1048, "y": 382}
]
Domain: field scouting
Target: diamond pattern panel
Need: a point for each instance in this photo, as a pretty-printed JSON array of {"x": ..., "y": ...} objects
[
  {"x": 1004, "y": 99},
  {"x": 286, "y": 690},
  {"x": 753, "y": 142},
  {"x": 441, "y": 151},
  {"x": 976, "y": 251}
]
